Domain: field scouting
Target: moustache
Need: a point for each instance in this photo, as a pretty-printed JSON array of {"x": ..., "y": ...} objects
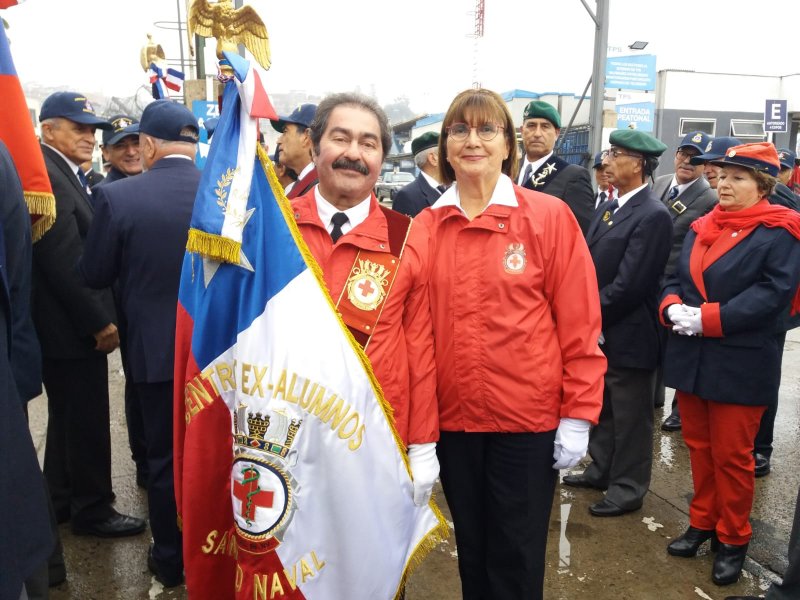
[{"x": 353, "y": 165}]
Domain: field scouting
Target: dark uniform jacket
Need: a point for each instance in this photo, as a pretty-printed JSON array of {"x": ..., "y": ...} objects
[
  {"x": 753, "y": 282},
  {"x": 629, "y": 250},
  {"x": 138, "y": 238},
  {"x": 66, "y": 312},
  {"x": 25, "y": 537},
  {"x": 571, "y": 183},
  {"x": 695, "y": 201},
  {"x": 783, "y": 196},
  {"x": 113, "y": 175},
  {"x": 414, "y": 197}
]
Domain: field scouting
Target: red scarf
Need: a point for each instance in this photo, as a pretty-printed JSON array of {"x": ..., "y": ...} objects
[{"x": 710, "y": 226}]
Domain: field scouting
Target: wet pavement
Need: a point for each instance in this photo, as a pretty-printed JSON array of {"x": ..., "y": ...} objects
[{"x": 588, "y": 557}]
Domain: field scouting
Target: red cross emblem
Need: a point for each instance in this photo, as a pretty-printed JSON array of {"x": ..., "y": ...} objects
[
  {"x": 250, "y": 495},
  {"x": 366, "y": 287}
]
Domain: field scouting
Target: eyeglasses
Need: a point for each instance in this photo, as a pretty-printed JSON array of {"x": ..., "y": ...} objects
[
  {"x": 685, "y": 154},
  {"x": 615, "y": 153},
  {"x": 487, "y": 132}
]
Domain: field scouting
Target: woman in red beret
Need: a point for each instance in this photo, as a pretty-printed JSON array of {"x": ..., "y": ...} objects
[{"x": 736, "y": 282}]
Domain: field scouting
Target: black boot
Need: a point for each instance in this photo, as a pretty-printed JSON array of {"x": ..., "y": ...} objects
[
  {"x": 688, "y": 544},
  {"x": 728, "y": 563}
]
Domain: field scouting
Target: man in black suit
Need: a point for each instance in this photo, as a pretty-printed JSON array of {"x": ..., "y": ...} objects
[
  {"x": 688, "y": 196},
  {"x": 76, "y": 330},
  {"x": 542, "y": 171},
  {"x": 26, "y": 539},
  {"x": 137, "y": 239},
  {"x": 426, "y": 188},
  {"x": 629, "y": 240},
  {"x": 120, "y": 149}
]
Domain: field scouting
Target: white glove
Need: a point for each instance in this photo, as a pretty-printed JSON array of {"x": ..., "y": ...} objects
[
  {"x": 690, "y": 323},
  {"x": 676, "y": 311},
  {"x": 572, "y": 441},
  {"x": 424, "y": 470}
]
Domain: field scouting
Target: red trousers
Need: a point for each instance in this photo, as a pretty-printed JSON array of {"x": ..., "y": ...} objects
[{"x": 720, "y": 440}]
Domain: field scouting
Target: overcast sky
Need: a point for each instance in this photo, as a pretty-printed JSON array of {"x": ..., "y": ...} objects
[{"x": 420, "y": 49}]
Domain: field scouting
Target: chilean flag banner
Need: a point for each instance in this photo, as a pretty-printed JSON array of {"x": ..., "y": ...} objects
[
  {"x": 174, "y": 80},
  {"x": 16, "y": 131},
  {"x": 290, "y": 479}
]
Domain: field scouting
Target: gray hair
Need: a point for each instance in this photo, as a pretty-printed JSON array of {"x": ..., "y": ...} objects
[{"x": 422, "y": 157}]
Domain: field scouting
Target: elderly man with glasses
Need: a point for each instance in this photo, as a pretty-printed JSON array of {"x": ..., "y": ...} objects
[{"x": 629, "y": 240}]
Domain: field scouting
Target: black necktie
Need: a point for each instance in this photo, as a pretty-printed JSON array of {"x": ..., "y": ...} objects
[
  {"x": 601, "y": 197},
  {"x": 673, "y": 193},
  {"x": 527, "y": 174},
  {"x": 338, "y": 220},
  {"x": 441, "y": 189},
  {"x": 84, "y": 181},
  {"x": 612, "y": 206}
]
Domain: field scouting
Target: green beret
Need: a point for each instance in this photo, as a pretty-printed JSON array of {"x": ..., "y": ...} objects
[
  {"x": 425, "y": 141},
  {"x": 542, "y": 110},
  {"x": 638, "y": 141}
]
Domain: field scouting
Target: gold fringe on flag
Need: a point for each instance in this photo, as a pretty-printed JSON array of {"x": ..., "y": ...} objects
[
  {"x": 214, "y": 246},
  {"x": 42, "y": 208}
]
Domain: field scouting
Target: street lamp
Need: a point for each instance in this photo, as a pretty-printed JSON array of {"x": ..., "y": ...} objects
[{"x": 638, "y": 45}]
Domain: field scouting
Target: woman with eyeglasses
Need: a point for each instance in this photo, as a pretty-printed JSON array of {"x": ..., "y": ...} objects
[
  {"x": 516, "y": 321},
  {"x": 736, "y": 282}
]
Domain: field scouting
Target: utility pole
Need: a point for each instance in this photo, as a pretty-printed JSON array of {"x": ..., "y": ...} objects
[
  {"x": 477, "y": 34},
  {"x": 598, "y": 75}
]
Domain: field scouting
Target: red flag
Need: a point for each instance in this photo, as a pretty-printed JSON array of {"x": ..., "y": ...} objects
[
  {"x": 7, "y": 3},
  {"x": 16, "y": 130}
]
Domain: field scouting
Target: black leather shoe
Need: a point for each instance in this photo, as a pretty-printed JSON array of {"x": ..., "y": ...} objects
[
  {"x": 582, "y": 482},
  {"x": 165, "y": 579},
  {"x": 728, "y": 563},
  {"x": 672, "y": 422},
  {"x": 688, "y": 544},
  {"x": 117, "y": 525},
  {"x": 606, "y": 508},
  {"x": 762, "y": 465}
]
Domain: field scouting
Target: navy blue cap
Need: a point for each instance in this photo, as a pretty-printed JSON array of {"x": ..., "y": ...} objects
[
  {"x": 695, "y": 139},
  {"x": 598, "y": 160},
  {"x": 73, "y": 106},
  {"x": 302, "y": 115},
  {"x": 117, "y": 132},
  {"x": 787, "y": 158},
  {"x": 715, "y": 149},
  {"x": 165, "y": 120}
]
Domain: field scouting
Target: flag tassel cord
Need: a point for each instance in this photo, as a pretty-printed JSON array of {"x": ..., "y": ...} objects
[{"x": 43, "y": 204}]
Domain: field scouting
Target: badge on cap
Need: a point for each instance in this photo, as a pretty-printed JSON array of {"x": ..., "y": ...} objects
[
  {"x": 781, "y": 155},
  {"x": 121, "y": 124},
  {"x": 732, "y": 153},
  {"x": 697, "y": 138},
  {"x": 708, "y": 147},
  {"x": 87, "y": 106}
]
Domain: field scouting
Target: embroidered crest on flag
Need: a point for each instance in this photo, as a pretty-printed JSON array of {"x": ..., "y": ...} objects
[
  {"x": 366, "y": 286},
  {"x": 514, "y": 261}
]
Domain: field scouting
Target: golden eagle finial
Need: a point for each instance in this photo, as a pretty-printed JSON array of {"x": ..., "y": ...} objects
[
  {"x": 230, "y": 27},
  {"x": 151, "y": 53}
]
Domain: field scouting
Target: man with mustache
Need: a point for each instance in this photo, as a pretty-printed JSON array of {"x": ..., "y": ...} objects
[{"x": 375, "y": 263}]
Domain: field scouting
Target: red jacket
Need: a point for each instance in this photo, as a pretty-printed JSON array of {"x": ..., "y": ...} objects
[
  {"x": 516, "y": 316},
  {"x": 401, "y": 349}
]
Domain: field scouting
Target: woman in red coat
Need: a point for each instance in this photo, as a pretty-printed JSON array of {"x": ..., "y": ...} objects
[{"x": 516, "y": 318}]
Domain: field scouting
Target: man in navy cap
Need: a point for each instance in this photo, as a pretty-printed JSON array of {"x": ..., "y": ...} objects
[
  {"x": 76, "y": 328},
  {"x": 783, "y": 195},
  {"x": 542, "y": 171},
  {"x": 605, "y": 191},
  {"x": 137, "y": 240},
  {"x": 295, "y": 142},
  {"x": 714, "y": 150},
  {"x": 426, "y": 188},
  {"x": 629, "y": 240},
  {"x": 687, "y": 195},
  {"x": 120, "y": 149}
]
